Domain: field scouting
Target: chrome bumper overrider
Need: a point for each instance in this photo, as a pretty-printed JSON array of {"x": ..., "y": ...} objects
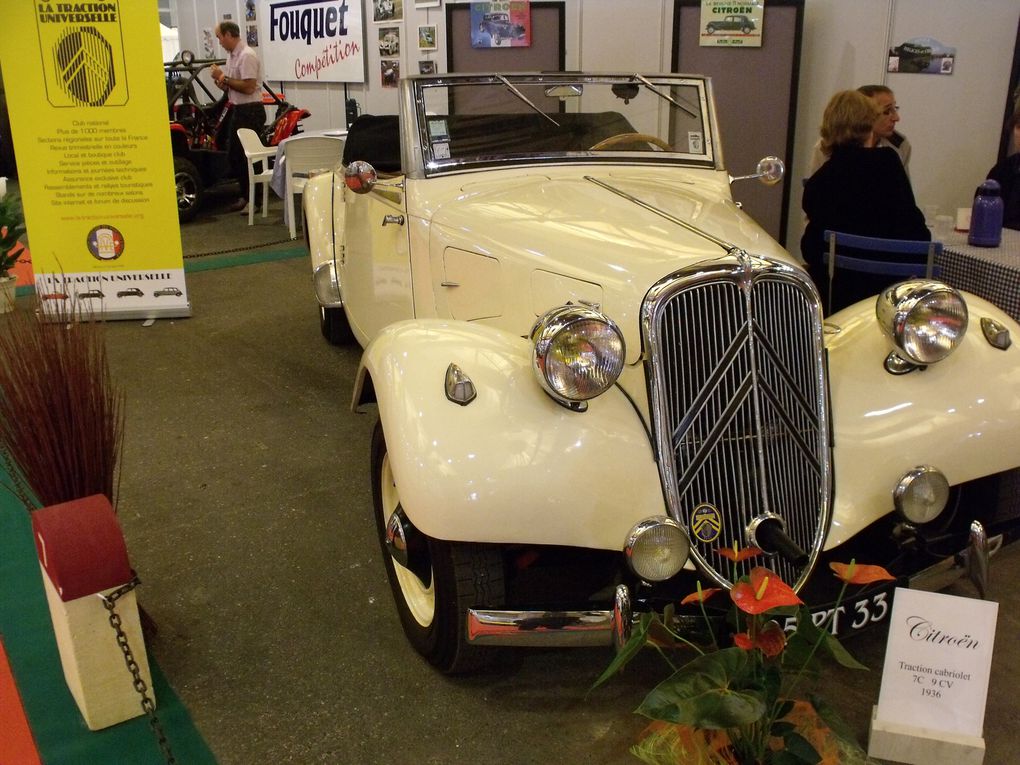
[
  {"x": 971, "y": 561},
  {"x": 555, "y": 629}
]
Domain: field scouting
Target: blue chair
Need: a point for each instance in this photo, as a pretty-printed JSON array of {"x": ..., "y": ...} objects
[{"x": 898, "y": 269}]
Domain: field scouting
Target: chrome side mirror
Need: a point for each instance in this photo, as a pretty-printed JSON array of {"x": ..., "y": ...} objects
[
  {"x": 360, "y": 177},
  {"x": 770, "y": 171}
]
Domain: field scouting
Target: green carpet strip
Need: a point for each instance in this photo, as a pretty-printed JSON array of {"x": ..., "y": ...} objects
[{"x": 60, "y": 732}]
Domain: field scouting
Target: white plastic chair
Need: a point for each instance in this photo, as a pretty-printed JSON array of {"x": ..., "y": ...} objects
[
  {"x": 303, "y": 156},
  {"x": 256, "y": 153}
]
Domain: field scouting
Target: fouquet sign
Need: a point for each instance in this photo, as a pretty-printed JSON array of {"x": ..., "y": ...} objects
[{"x": 319, "y": 40}]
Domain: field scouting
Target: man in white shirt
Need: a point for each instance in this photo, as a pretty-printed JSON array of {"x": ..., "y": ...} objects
[{"x": 241, "y": 78}]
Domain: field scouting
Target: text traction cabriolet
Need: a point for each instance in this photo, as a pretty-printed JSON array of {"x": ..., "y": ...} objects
[{"x": 594, "y": 371}]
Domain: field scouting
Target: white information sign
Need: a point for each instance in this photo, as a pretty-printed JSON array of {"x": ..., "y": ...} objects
[
  {"x": 312, "y": 40},
  {"x": 937, "y": 662}
]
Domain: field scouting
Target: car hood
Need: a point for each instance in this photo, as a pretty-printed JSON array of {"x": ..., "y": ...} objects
[{"x": 606, "y": 236}]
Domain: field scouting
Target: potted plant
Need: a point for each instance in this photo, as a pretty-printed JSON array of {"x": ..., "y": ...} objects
[
  {"x": 12, "y": 226},
  {"x": 739, "y": 701}
]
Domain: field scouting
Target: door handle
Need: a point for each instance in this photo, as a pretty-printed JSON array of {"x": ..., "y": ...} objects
[{"x": 398, "y": 219}]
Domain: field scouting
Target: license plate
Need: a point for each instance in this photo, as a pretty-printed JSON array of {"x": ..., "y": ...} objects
[{"x": 854, "y": 613}]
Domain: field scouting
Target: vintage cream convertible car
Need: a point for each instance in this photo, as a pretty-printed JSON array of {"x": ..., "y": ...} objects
[{"x": 593, "y": 370}]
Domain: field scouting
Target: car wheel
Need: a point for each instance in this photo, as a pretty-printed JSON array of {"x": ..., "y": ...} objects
[
  {"x": 710, "y": 29},
  {"x": 433, "y": 614},
  {"x": 334, "y": 325},
  {"x": 746, "y": 30},
  {"x": 496, "y": 39},
  {"x": 189, "y": 188}
]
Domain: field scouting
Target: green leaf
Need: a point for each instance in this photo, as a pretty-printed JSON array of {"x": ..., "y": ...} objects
[
  {"x": 712, "y": 691},
  {"x": 784, "y": 709},
  {"x": 836, "y": 650},
  {"x": 780, "y": 728},
  {"x": 796, "y": 745},
  {"x": 631, "y": 648},
  {"x": 836, "y": 723}
]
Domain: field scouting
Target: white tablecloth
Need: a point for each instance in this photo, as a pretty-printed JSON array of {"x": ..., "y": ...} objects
[{"x": 989, "y": 272}]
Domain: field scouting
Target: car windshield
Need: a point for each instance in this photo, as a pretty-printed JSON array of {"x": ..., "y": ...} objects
[{"x": 468, "y": 122}]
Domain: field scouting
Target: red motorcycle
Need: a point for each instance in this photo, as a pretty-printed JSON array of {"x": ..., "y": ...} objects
[{"x": 198, "y": 134}]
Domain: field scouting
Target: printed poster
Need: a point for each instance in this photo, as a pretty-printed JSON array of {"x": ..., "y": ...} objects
[
  {"x": 505, "y": 24},
  {"x": 731, "y": 24},
  {"x": 922, "y": 55},
  {"x": 88, "y": 115},
  {"x": 312, "y": 40}
]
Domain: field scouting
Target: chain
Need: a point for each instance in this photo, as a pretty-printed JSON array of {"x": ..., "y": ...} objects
[{"x": 148, "y": 706}]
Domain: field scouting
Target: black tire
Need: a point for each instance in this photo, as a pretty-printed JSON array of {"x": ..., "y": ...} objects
[
  {"x": 463, "y": 575},
  {"x": 189, "y": 189},
  {"x": 496, "y": 39},
  {"x": 335, "y": 327},
  {"x": 710, "y": 29},
  {"x": 746, "y": 30}
]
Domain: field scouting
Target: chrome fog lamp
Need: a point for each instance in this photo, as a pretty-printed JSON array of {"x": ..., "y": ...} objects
[
  {"x": 926, "y": 320},
  {"x": 922, "y": 494},
  {"x": 578, "y": 355},
  {"x": 657, "y": 548}
]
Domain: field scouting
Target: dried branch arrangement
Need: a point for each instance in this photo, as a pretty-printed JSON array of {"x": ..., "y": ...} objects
[{"x": 61, "y": 416}]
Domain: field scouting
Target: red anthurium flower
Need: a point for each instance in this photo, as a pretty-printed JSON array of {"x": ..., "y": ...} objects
[
  {"x": 700, "y": 596},
  {"x": 771, "y": 640},
  {"x": 856, "y": 573},
  {"x": 765, "y": 590},
  {"x": 736, "y": 555}
]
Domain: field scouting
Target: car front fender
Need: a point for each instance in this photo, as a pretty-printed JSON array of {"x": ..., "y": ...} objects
[
  {"x": 961, "y": 415},
  {"x": 318, "y": 204},
  {"x": 511, "y": 466}
]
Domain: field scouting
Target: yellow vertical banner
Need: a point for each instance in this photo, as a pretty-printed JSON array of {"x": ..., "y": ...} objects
[{"x": 89, "y": 118}]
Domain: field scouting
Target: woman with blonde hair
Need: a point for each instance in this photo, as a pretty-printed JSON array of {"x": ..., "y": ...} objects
[{"x": 859, "y": 190}]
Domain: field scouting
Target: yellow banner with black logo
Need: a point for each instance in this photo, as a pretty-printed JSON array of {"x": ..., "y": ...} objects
[{"x": 87, "y": 101}]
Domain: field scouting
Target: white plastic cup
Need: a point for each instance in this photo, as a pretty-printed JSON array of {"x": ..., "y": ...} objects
[{"x": 963, "y": 219}]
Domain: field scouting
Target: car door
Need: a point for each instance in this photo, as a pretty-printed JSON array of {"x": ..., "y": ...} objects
[{"x": 373, "y": 264}]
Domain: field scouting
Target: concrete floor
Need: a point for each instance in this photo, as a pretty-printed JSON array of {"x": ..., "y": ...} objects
[{"x": 245, "y": 499}]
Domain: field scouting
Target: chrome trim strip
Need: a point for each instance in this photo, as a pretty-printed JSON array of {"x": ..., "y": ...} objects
[
  {"x": 729, "y": 247},
  {"x": 553, "y": 629}
]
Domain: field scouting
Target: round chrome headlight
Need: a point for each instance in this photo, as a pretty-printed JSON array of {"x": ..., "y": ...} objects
[
  {"x": 922, "y": 494},
  {"x": 656, "y": 548},
  {"x": 579, "y": 353},
  {"x": 926, "y": 320}
]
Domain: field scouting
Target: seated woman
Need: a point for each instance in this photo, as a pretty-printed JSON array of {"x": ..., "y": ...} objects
[
  {"x": 859, "y": 190},
  {"x": 1007, "y": 173}
]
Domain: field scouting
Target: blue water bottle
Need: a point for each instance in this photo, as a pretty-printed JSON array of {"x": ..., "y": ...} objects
[{"x": 986, "y": 215}]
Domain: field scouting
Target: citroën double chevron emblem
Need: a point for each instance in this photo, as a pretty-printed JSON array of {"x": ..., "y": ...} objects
[{"x": 83, "y": 62}]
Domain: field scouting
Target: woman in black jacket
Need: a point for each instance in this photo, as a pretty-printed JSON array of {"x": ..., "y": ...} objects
[
  {"x": 1007, "y": 173},
  {"x": 859, "y": 190}
]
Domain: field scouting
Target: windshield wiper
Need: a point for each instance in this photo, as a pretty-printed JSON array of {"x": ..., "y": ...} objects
[
  {"x": 689, "y": 109},
  {"x": 527, "y": 100}
]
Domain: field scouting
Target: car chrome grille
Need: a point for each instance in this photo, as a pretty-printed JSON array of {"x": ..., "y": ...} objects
[{"x": 739, "y": 408}]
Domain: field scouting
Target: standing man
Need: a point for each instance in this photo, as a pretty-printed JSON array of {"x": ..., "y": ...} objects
[
  {"x": 885, "y": 129},
  {"x": 240, "y": 79}
]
